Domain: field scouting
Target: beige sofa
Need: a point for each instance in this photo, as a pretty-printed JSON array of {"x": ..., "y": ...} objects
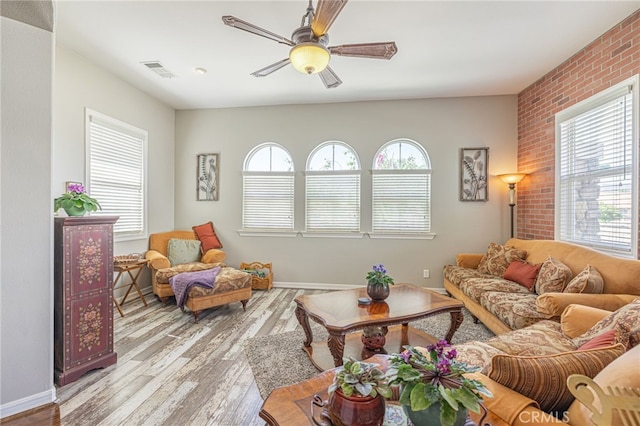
[{"x": 503, "y": 305}]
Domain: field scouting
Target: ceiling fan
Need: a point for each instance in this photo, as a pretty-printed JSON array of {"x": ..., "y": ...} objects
[{"x": 309, "y": 52}]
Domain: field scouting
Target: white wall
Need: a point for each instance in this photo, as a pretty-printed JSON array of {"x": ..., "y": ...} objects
[
  {"x": 26, "y": 223},
  {"x": 442, "y": 126},
  {"x": 79, "y": 84}
]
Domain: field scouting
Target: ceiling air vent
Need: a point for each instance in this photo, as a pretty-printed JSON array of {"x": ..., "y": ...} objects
[{"x": 159, "y": 69}]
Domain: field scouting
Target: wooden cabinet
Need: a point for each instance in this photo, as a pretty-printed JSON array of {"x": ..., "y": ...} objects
[{"x": 83, "y": 314}]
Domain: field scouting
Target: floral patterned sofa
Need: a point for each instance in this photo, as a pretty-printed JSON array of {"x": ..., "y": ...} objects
[{"x": 545, "y": 276}]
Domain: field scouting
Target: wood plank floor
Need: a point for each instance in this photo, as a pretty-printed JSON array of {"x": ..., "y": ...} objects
[{"x": 171, "y": 371}]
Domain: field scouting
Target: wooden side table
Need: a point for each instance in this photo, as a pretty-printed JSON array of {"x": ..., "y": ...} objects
[
  {"x": 136, "y": 266},
  {"x": 259, "y": 282}
]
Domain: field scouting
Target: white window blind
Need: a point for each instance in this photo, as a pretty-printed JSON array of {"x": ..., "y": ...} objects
[
  {"x": 268, "y": 189},
  {"x": 401, "y": 199},
  {"x": 596, "y": 175},
  {"x": 333, "y": 189},
  {"x": 333, "y": 202},
  {"x": 116, "y": 169}
]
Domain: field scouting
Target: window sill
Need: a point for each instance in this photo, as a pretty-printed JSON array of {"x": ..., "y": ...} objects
[
  {"x": 308, "y": 234},
  {"x": 264, "y": 233},
  {"x": 402, "y": 235}
]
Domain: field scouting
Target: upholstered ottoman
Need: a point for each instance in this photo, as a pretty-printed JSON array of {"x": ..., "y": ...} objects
[{"x": 230, "y": 285}]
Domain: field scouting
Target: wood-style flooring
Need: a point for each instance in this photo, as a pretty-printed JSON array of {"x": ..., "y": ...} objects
[{"x": 172, "y": 371}]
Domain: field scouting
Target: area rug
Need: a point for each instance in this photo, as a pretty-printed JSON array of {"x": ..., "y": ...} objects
[{"x": 278, "y": 360}]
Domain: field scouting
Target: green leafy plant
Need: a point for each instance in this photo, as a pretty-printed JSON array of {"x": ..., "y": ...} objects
[
  {"x": 76, "y": 197},
  {"x": 361, "y": 379},
  {"x": 438, "y": 377},
  {"x": 379, "y": 275}
]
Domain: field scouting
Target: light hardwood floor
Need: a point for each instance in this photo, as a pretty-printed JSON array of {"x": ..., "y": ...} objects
[{"x": 171, "y": 371}]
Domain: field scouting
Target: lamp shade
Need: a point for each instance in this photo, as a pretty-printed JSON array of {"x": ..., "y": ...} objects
[
  {"x": 309, "y": 58},
  {"x": 512, "y": 177}
]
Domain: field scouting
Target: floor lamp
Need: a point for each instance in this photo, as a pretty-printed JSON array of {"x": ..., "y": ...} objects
[{"x": 512, "y": 179}]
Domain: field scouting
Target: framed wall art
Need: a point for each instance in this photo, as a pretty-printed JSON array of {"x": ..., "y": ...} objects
[
  {"x": 474, "y": 163},
  {"x": 208, "y": 178}
]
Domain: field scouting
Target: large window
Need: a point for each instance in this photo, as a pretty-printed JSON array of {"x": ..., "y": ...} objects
[
  {"x": 268, "y": 189},
  {"x": 597, "y": 171},
  {"x": 401, "y": 200},
  {"x": 333, "y": 189},
  {"x": 116, "y": 158}
]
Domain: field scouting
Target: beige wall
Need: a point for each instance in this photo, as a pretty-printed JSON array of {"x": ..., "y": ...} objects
[
  {"x": 79, "y": 84},
  {"x": 442, "y": 126}
]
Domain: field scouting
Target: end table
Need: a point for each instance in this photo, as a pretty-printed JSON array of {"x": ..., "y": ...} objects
[{"x": 129, "y": 268}]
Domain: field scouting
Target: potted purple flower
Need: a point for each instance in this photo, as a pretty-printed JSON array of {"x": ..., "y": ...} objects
[
  {"x": 76, "y": 201},
  {"x": 378, "y": 283}
]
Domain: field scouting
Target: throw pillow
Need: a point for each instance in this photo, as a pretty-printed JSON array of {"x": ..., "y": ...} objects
[
  {"x": 604, "y": 339},
  {"x": 543, "y": 378},
  {"x": 183, "y": 251},
  {"x": 523, "y": 273},
  {"x": 497, "y": 258},
  {"x": 207, "y": 236},
  {"x": 627, "y": 318},
  {"x": 588, "y": 280},
  {"x": 553, "y": 276}
]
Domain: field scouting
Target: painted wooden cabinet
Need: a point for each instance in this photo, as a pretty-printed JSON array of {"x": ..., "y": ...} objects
[{"x": 83, "y": 310}]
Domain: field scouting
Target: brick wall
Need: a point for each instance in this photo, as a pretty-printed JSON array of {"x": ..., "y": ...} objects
[{"x": 610, "y": 59}]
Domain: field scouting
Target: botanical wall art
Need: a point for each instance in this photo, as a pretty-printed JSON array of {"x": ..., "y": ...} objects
[
  {"x": 207, "y": 184},
  {"x": 473, "y": 174}
]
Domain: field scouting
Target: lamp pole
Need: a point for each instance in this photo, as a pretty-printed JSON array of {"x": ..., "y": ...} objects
[
  {"x": 512, "y": 179},
  {"x": 512, "y": 202}
]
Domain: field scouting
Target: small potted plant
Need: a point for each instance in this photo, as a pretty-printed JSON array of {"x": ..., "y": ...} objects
[
  {"x": 434, "y": 390},
  {"x": 378, "y": 283},
  {"x": 356, "y": 396},
  {"x": 76, "y": 202}
]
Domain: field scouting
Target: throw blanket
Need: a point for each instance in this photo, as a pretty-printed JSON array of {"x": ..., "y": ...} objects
[{"x": 182, "y": 283}]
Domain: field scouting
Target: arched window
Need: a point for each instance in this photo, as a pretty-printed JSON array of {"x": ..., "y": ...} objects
[
  {"x": 268, "y": 189},
  {"x": 333, "y": 189},
  {"x": 401, "y": 199}
]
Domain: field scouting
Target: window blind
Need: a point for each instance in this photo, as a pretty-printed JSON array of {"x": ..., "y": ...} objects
[
  {"x": 333, "y": 201},
  {"x": 267, "y": 202},
  {"x": 116, "y": 173},
  {"x": 596, "y": 175},
  {"x": 401, "y": 201}
]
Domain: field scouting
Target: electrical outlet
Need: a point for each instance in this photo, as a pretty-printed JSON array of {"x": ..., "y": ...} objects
[{"x": 425, "y": 273}]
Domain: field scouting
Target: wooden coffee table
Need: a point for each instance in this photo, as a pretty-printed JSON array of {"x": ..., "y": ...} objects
[{"x": 340, "y": 313}]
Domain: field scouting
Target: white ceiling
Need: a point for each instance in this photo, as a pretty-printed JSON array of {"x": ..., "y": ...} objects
[{"x": 445, "y": 48}]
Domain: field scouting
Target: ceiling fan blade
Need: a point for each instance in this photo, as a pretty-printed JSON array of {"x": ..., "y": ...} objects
[
  {"x": 232, "y": 21},
  {"x": 366, "y": 50},
  {"x": 330, "y": 78},
  {"x": 326, "y": 12},
  {"x": 271, "y": 68}
]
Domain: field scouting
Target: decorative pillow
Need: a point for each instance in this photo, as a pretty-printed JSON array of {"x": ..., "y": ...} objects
[
  {"x": 626, "y": 318},
  {"x": 207, "y": 236},
  {"x": 553, "y": 276},
  {"x": 543, "y": 378},
  {"x": 523, "y": 273},
  {"x": 604, "y": 339},
  {"x": 588, "y": 280},
  {"x": 183, "y": 251},
  {"x": 497, "y": 258}
]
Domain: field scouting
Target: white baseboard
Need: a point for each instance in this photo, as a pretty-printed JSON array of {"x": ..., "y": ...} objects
[
  {"x": 328, "y": 286},
  {"x": 27, "y": 403}
]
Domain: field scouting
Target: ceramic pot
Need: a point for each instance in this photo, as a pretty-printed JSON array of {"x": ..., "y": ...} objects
[
  {"x": 75, "y": 211},
  {"x": 431, "y": 416},
  {"x": 377, "y": 292},
  {"x": 355, "y": 410}
]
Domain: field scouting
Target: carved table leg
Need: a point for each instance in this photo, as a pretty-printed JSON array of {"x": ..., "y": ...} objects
[
  {"x": 336, "y": 347},
  {"x": 456, "y": 320},
  {"x": 303, "y": 319}
]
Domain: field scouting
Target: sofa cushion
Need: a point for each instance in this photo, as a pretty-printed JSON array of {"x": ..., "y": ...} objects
[
  {"x": 543, "y": 378},
  {"x": 476, "y": 287},
  {"x": 183, "y": 251},
  {"x": 523, "y": 273},
  {"x": 625, "y": 319},
  {"x": 457, "y": 275},
  {"x": 207, "y": 236},
  {"x": 476, "y": 353},
  {"x": 498, "y": 257},
  {"x": 542, "y": 338},
  {"x": 163, "y": 275},
  {"x": 588, "y": 280},
  {"x": 553, "y": 276},
  {"x": 517, "y": 310}
]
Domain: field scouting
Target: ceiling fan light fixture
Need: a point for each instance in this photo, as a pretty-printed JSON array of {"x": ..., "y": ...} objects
[{"x": 309, "y": 58}]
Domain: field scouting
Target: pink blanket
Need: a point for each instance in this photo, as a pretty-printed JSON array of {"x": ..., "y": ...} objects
[{"x": 182, "y": 283}]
